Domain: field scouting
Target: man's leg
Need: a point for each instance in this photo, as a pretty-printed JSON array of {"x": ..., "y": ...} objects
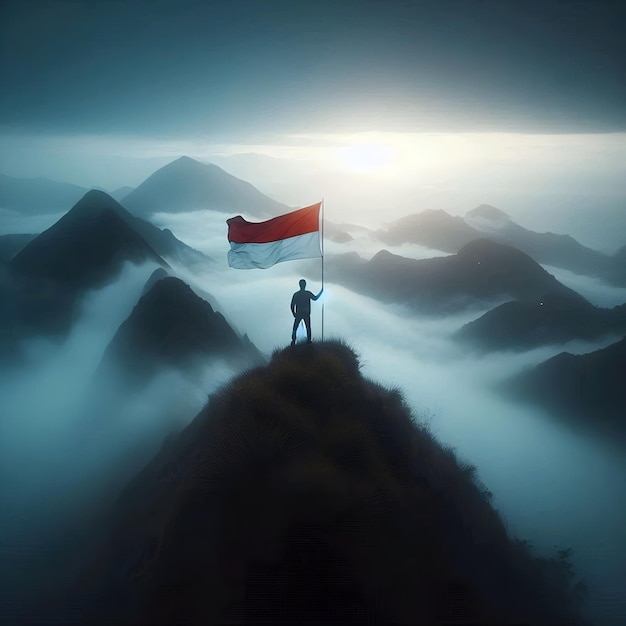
[
  {"x": 296, "y": 323},
  {"x": 307, "y": 323}
]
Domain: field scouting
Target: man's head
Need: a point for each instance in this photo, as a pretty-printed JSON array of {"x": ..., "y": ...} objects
[{"x": 302, "y": 283}]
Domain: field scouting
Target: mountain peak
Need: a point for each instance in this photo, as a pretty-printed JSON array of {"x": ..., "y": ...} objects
[
  {"x": 94, "y": 201},
  {"x": 189, "y": 185},
  {"x": 171, "y": 326},
  {"x": 486, "y": 211},
  {"x": 264, "y": 491},
  {"x": 86, "y": 245}
]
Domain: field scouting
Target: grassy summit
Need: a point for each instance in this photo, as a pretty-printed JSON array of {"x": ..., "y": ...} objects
[{"x": 302, "y": 493}]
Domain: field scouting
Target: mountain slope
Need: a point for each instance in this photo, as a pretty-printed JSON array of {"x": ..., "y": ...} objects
[
  {"x": 81, "y": 251},
  {"x": 85, "y": 247},
  {"x": 188, "y": 185},
  {"x": 10, "y": 245},
  {"x": 434, "y": 229},
  {"x": 442, "y": 231},
  {"x": 482, "y": 272},
  {"x": 547, "y": 248},
  {"x": 32, "y": 196},
  {"x": 305, "y": 493},
  {"x": 171, "y": 327},
  {"x": 548, "y": 320},
  {"x": 585, "y": 388}
]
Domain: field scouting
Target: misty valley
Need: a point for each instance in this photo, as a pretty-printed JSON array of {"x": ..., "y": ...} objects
[{"x": 453, "y": 448}]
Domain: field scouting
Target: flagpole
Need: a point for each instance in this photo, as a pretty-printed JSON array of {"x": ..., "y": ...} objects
[{"x": 322, "y": 268}]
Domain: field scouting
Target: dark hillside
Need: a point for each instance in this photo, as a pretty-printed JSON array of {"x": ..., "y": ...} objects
[
  {"x": 551, "y": 319},
  {"x": 304, "y": 493},
  {"x": 481, "y": 272},
  {"x": 588, "y": 389},
  {"x": 10, "y": 245},
  {"x": 81, "y": 251},
  {"x": 171, "y": 326},
  {"x": 85, "y": 247}
]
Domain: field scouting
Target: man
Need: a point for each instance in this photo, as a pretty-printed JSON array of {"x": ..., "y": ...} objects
[{"x": 301, "y": 309}]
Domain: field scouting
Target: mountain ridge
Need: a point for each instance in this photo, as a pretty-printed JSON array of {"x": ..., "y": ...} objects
[
  {"x": 586, "y": 389},
  {"x": 170, "y": 326},
  {"x": 188, "y": 185},
  {"x": 547, "y": 320},
  {"x": 36, "y": 196},
  {"x": 303, "y": 491},
  {"x": 481, "y": 272},
  {"x": 440, "y": 230}
]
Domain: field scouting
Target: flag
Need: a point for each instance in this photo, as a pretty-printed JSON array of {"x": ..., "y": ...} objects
[{"x": 288, "y": 237}]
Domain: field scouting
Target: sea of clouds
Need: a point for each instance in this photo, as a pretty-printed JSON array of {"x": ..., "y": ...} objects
[{"x": 65, "y": 449}]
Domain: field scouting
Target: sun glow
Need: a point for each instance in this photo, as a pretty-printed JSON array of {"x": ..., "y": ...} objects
[{"x": 366, "y": 158}]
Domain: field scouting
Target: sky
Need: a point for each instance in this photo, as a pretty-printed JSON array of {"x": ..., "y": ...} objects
[
  {"x": 240, "y": 68},
  {"x": 382, "y": 108}
]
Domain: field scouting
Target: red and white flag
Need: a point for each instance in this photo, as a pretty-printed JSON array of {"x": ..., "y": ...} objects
[{"x": 287, "y": 237}]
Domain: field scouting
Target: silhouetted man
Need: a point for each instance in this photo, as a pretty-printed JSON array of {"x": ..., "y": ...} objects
[{"x": 301, "y": 309}]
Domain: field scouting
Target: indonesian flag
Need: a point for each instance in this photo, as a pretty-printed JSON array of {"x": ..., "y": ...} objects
[{"x": 287, "y": 237}]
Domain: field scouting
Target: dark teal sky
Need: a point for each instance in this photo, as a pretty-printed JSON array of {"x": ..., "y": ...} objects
[{"x": 183, "y": 68}]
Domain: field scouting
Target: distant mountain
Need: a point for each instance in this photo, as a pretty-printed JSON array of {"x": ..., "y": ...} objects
[
  {"x": 82, "y": 250},
  {"x": 85, "y": 247},
  {"x": 32, "y": 196},
  {"x": 434, "y": 229},
  {"x": 549, "y": 319},
  {"x": 121, "y": 193},
  {"x": 480, "y": 273},
  {"x": 158, "y": 274},
  {"x": 304, "y": 493},
  {"x": 188, "y": 185},
  {"x": 10, "y": 245},
  {"x": 619, "y": 267},
  {"x": 171, "y": 327},
  {"x": 587, "y": 388},
  {"x": 162, "y": 241},
  {"x": 342, "y": 233},
  {"x": 491, "y": 214},
  {"x": 442, "y": 231},
  {"x": 547, "y": 248}
]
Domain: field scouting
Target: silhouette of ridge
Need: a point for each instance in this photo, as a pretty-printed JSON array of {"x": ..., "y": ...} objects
[
  {"x": 482, "y": 272},
  {"x": 188, "y": 185},
  {"x": 442, "y": 231},
  {"x": 171, "y": 327},
  {"x": 36, "y": 196},
  {"x": 305, "y": 493},
  {"x": 548, "y": 319},
  {"x": 10, "y": 245},
  {"x": 585, "y": 389},
  {"x": 85, "y": 246}
]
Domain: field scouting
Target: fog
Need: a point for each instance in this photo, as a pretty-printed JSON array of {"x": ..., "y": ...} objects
[
  {"x": 66, "y": 447},
  {"x": 69, "y": 439},
  {"x": 564, "y": 183},
  {"x": 554, "y": 485}
]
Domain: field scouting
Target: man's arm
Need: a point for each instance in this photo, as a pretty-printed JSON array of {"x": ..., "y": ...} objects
[
  {"x": 318, "y": 295},
  {"x": 293, "y": 305}
]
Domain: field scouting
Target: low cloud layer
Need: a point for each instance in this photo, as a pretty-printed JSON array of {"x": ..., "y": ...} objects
[
  {"x": 59, "y": 438},
  {"x": 553, "y": 485}
]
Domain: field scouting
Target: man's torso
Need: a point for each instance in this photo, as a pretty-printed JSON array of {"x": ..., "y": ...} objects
[{"x": 302, "y": 302}]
